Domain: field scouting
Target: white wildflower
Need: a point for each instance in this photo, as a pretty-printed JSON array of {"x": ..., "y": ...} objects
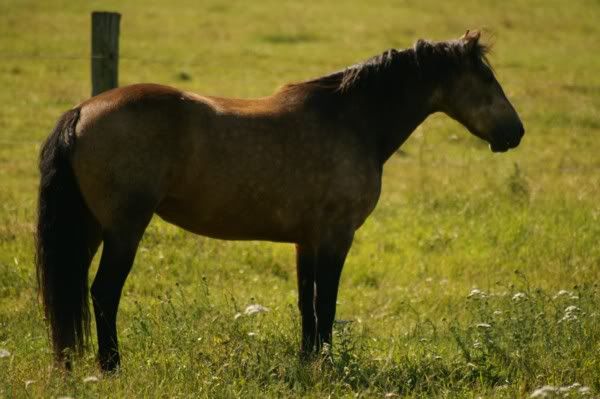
[
  {"x": 251, "y": 334},
  {"x": 4, "y": 353},
  {"x": 568, "y": 317},
  {"x": 561, "y": 293},
  {"x": 547, "y": 391},
  {"x": 255, "y": 308},
  {"x": 28, "y": 383},
  {"x": 572, "y": 309},
  {"x": 519, "y": 296},
  {"x": 566, "y": 293},
  {"x": 477, "y": 294},
  {"x": 91, "y": 378},
  {"x": 570, "y": 313},
  {"x": 497, "y": 313},
  {"x": 484, "y": 326},
  {"x": 566, "y": 389},
  {"x": 585, "y": 390}
]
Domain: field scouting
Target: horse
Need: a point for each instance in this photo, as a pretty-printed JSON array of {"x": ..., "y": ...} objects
[{"x": 302, "y": 166}]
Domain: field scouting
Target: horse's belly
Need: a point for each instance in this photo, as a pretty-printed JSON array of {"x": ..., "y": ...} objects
[
  {"x": 295, "y": 217},
  {"x": 277, "y": 198},
  {"x": 240, "y": 222}
]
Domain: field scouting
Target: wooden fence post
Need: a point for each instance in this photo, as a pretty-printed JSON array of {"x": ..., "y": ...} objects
[{"x": 105, "y": 51}]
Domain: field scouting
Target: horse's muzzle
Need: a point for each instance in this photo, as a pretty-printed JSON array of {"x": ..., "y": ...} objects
[{"x": 504, "y": 142}]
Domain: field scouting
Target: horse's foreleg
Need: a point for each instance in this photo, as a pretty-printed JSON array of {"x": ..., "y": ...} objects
[
  {"x": 117, "y": 258},
  {"x": 305, "y": 267},
  {"x": 330, "y": 261}
]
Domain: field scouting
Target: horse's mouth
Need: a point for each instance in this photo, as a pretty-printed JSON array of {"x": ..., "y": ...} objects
[
  {"x": 504, "y": 145},
  {"x": 499, "y": 147},
  {"x": 499, "y": 142}
]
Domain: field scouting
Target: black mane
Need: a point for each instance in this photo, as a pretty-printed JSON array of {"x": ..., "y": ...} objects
[
  {"x": 436, "y": 60},
  {"x": 369, "y": 73}
]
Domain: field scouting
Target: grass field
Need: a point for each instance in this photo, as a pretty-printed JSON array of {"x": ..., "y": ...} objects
[{"x": 477, "y": 274}]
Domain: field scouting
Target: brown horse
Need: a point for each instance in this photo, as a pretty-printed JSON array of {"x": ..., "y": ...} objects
[{"x": 302, "y": 166}]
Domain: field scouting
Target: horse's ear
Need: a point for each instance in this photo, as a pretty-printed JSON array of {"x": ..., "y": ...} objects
[{"x": 471, "y": 39}]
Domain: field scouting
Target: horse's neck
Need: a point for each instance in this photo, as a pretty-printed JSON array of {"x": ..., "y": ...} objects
[
  {"x": 394, "y": 121},
  {"x": 398, "y": 132}
]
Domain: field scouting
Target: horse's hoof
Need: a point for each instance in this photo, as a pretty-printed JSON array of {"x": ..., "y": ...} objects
[{"x": 109, "y": 366}]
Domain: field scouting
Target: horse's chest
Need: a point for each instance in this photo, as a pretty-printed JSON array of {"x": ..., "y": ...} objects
[{"x": 351, "y": 198}]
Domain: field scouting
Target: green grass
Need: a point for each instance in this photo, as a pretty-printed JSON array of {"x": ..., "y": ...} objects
[{"x": 453, "y": 217}]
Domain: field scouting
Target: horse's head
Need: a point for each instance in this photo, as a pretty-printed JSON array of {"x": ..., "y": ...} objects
[{"x": 470, "y": 93}]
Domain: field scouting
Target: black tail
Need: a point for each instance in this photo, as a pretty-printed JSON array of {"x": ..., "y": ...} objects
[{"x": 64, "y": 242}]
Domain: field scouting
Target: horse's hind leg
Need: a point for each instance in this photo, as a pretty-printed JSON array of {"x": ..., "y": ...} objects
[{"x": 120, "y": 245}]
